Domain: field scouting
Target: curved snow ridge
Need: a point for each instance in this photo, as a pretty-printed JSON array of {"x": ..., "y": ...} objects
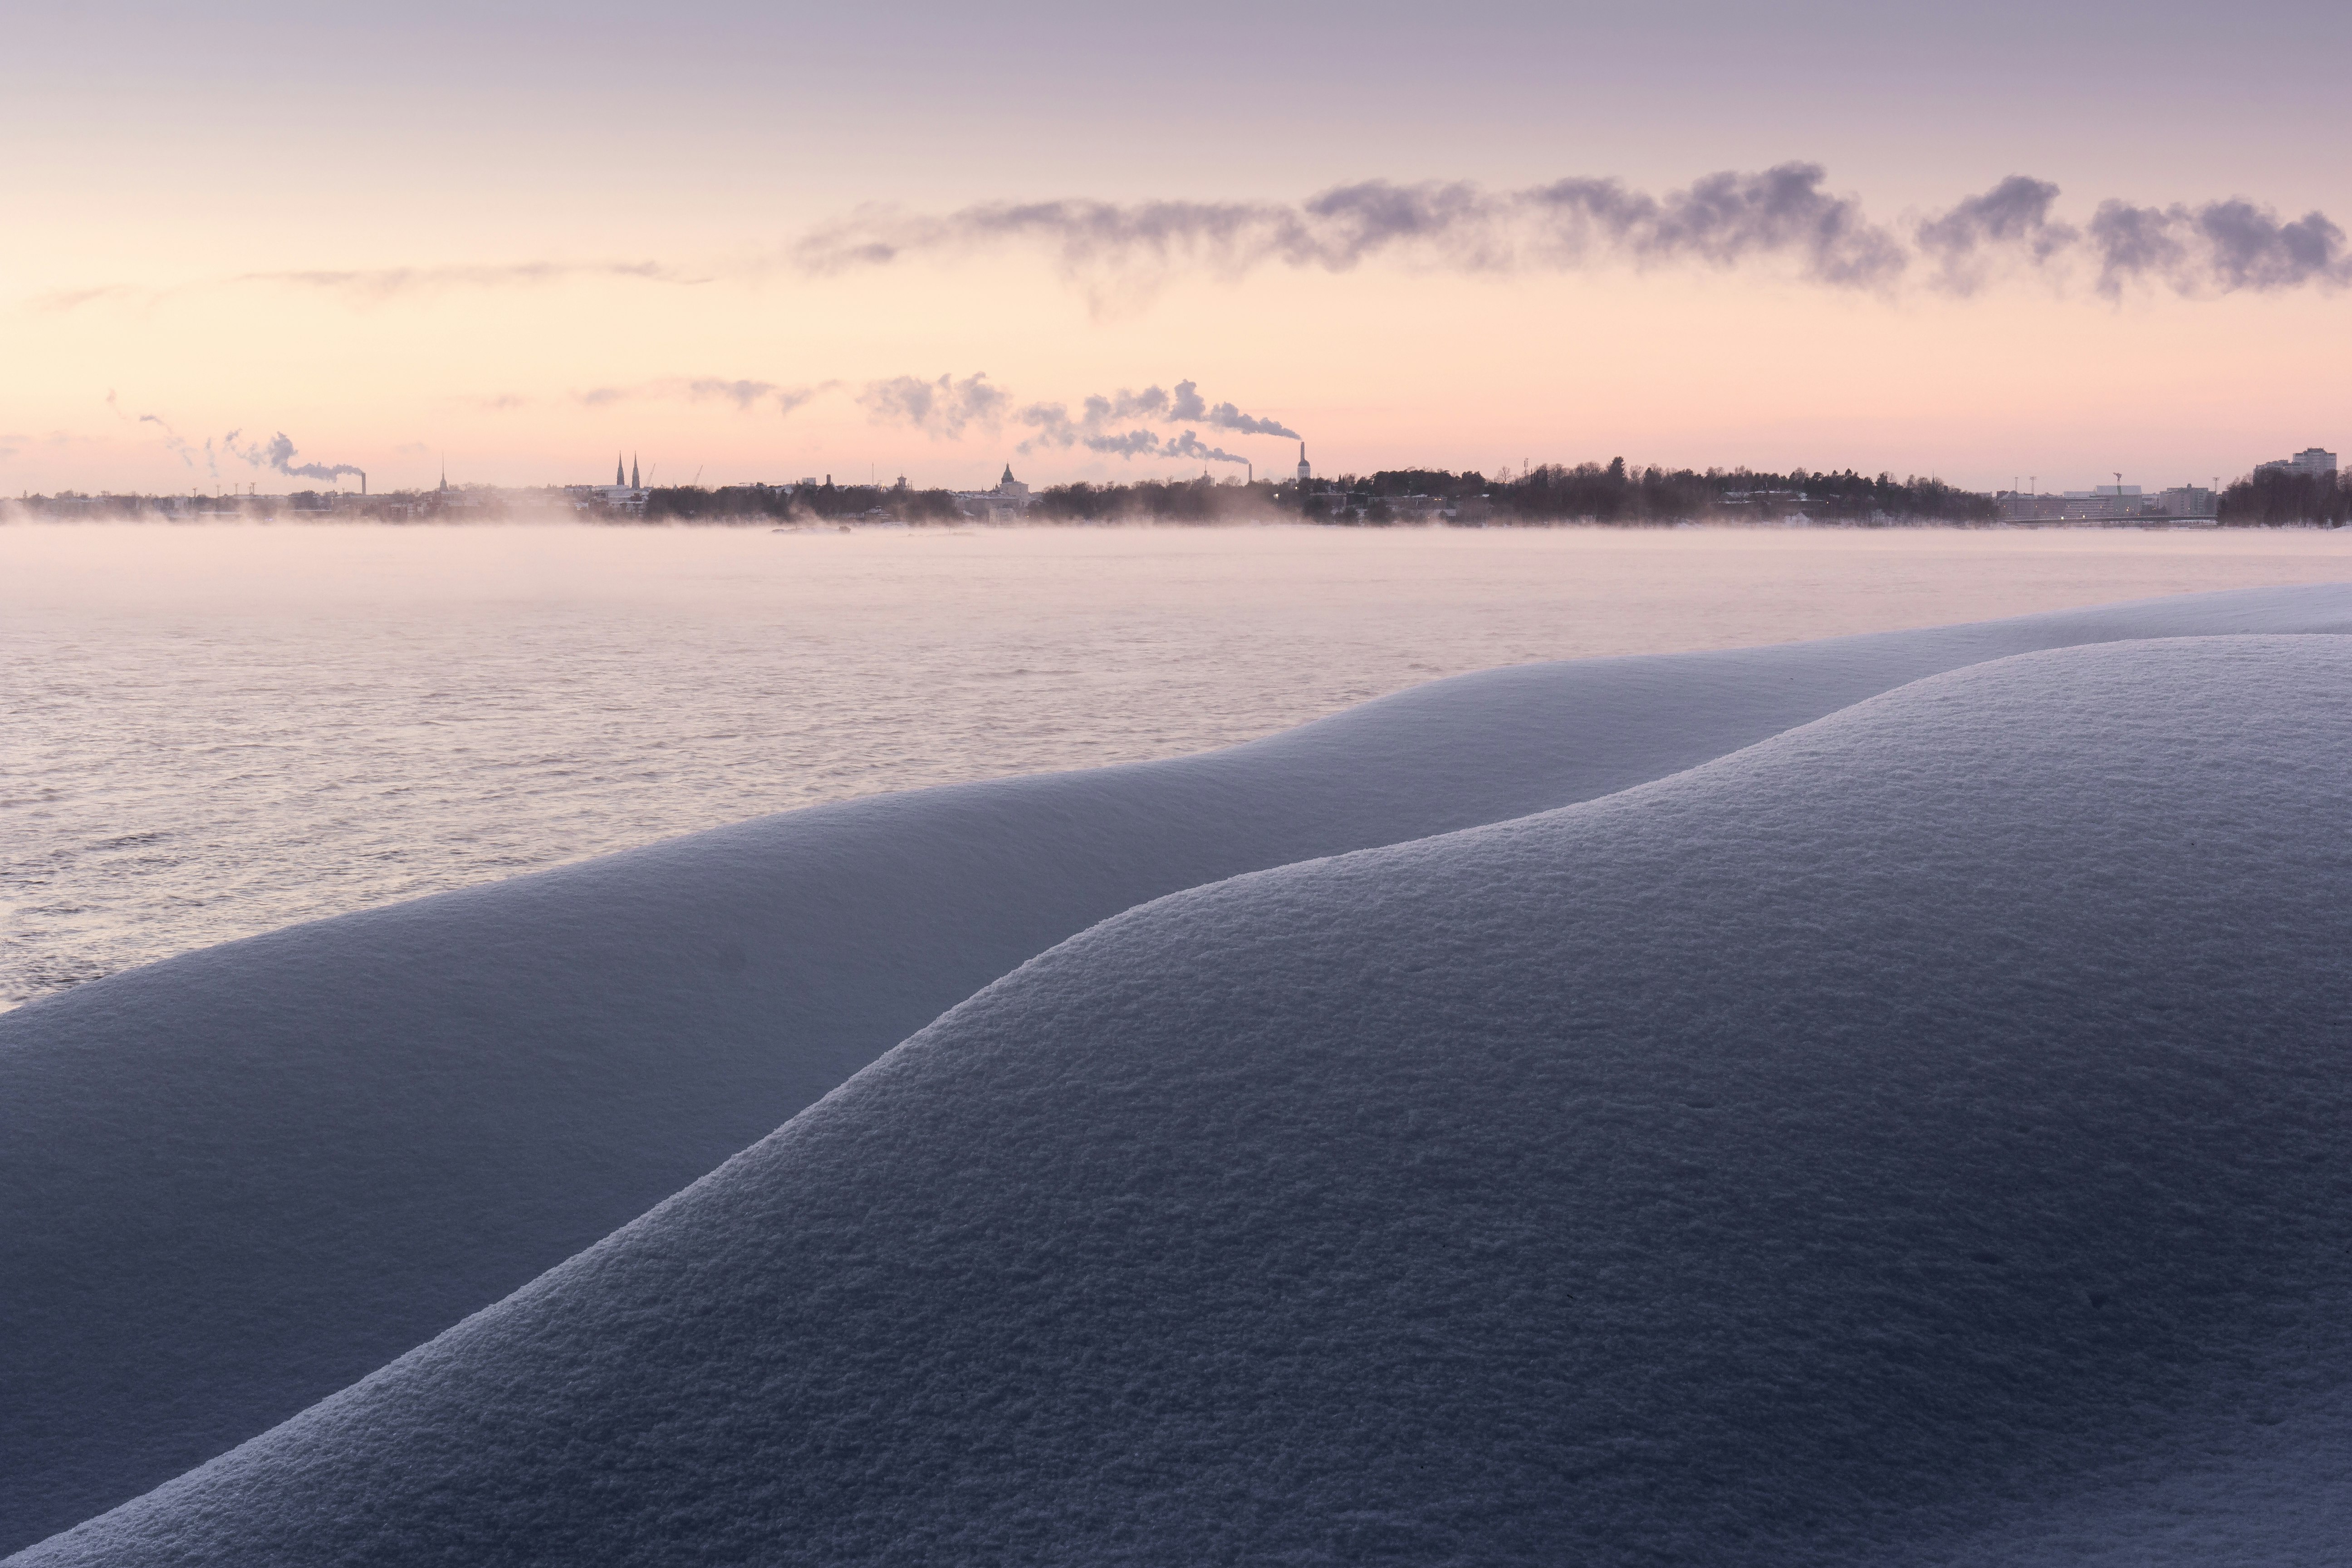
[
  {"x": 1921, "y": 1137},
  {"x": 234, "y": 1182}
]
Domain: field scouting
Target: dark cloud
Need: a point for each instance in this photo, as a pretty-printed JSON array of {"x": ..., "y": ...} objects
[
  {"x": 69, "y": 298},
  {"x": 1784, "y": 215},
  {"x": 741, "y": 394},
  {"x": 2252, "y": 249},
  {"x": 1087, "y": 235},
  {"x": 1349, "y": 223},
  {"x": 377, "y": 284},
  {"x": 789, "y": 398},
  {"x": 371, "y": 284},
  {"x": 2010, "y": 220},
  {"x": 2218, "y": 248},
  {"x": 744, "y": 394},
  {"x": 941, "y": 409},
  {"x": 1724, "y": 218}
]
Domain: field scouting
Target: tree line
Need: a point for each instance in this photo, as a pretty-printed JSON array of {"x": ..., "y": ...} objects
[
  {"x": 827, "y": 501},
  {"x": 1605, "y": 493},
  {"x": 1608, "y": 492},
  {"x": 2277, "y": 496}
]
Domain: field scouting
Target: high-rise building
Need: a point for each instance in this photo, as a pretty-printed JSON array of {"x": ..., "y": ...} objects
[{"x": 2313, "y": 460}]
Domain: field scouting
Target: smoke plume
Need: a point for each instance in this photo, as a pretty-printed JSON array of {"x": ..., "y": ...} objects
[
  {"x": 278, "y": 455},
  {"x": 1095, "y": 427},
  {"x": 174, "y": 442},
  {"x": 1190, "y": 446}
]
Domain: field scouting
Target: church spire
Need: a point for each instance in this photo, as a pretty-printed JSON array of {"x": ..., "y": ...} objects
[
  {"x": 633, "y": 472},
  {"x": 619, "y": 478}
]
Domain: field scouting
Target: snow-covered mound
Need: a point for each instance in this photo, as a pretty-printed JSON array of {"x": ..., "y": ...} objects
[
  {"x": 1924, "y": 1136},
  {"x": 234, "y": 1183}
]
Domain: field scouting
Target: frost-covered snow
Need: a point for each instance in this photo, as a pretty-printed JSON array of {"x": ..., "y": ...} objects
[
  {"x": 232, "y": 1183},
  {"x": 1921, "y": 1137}
]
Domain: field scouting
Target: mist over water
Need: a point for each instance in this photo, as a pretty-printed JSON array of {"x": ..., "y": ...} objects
[{"x": 216, "y": 731}]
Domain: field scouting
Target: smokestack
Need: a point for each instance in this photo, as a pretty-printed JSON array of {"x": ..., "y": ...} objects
[{"x": 362, "y": 481}]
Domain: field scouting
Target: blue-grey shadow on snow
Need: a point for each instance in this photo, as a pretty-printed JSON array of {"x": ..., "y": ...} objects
[{"x": 234, "y": 1182}]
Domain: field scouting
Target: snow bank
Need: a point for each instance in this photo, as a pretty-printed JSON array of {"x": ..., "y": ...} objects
[
  {"x": 233, "y": 1183},
  {"x": 1872, "y": 1147}
]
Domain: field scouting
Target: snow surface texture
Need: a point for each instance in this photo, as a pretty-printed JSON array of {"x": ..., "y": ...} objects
[
  {"x": 1923, "y": 1137},
  {"x": 234, "y": 1183}
]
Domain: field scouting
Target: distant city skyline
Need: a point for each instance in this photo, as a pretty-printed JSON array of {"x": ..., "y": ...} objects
[
  {"x": 635, "y": 477},
  {"x": 784, "y": 240}
]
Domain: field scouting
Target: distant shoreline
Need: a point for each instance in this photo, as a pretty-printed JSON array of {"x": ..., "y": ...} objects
[{"x": 16, "y": 514}]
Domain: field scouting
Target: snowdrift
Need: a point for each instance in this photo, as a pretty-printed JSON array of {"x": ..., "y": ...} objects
[
  {"x": 235, "y": 1182},
  {"x": 1924, "y": 1136}
]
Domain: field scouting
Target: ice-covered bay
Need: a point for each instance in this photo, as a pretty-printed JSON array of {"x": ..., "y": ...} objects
[
  {"x": 213, "y": 732},
  {"x": 233, "y": 1183}
]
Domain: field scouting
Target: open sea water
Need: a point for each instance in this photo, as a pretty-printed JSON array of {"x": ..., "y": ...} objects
[{"x": 211, "y": 732}]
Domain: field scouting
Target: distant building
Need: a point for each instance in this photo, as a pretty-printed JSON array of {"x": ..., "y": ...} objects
[
  {"x": 2105, "y": 503},
  {"x": 2311, "y": 461},
  {"x": 1305, "y": 473},
  {"x": 1009, "y": 502},
  {"x": 624, "y": 494}
]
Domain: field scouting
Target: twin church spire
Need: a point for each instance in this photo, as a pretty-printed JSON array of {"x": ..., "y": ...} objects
[{"x": 630, "y": 482}]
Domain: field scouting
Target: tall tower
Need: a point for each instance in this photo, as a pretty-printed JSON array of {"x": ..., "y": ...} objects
[
  {"x": 633, "y": 472},
  {"x": 619, "y": 478},
  {"x": 1305, "y": 473}
]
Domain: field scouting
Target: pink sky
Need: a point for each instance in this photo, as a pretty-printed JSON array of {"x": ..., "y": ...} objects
[{"x": 526, "y": 240}]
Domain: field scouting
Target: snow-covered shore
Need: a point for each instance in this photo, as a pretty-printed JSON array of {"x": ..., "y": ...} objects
[{"x": 1216, "y": 1226}]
